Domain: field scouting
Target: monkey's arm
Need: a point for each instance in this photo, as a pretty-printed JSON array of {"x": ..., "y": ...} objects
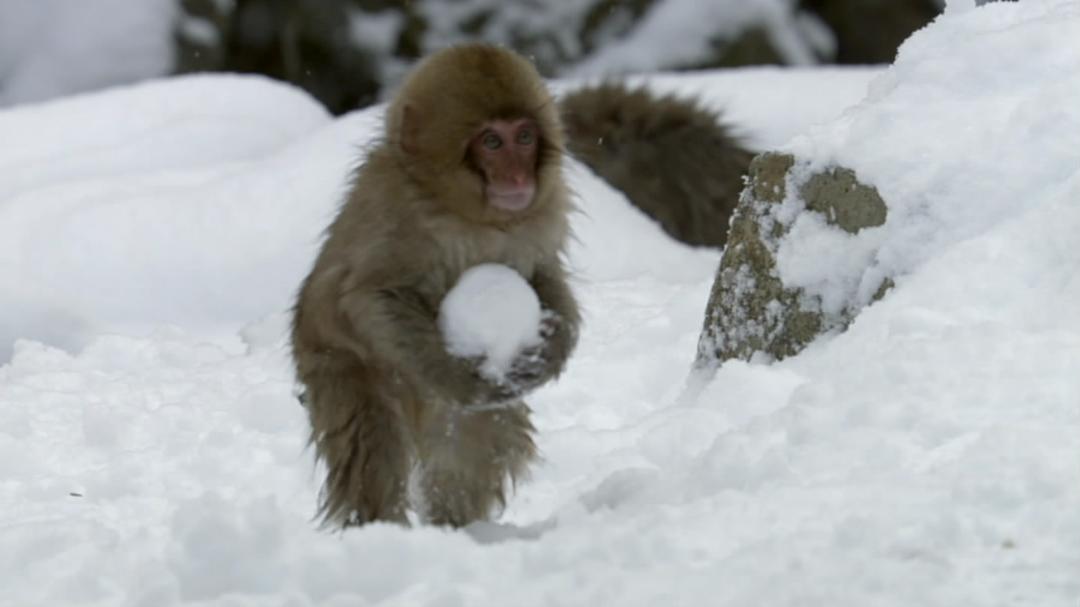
[{"x": 400, "y": 324}]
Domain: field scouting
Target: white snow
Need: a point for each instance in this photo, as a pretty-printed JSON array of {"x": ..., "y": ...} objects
[
  {"x": 1008, "y": 146},
  {"x": 164, "y": 203},
  {"x": 152, "y": 451},
  {"x": 50, "y": 48},
  {"x": 491, "y": 313}
]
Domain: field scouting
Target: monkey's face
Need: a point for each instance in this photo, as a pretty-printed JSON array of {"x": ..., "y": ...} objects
[
  {"x": 504, "y": 154},
  {"x": 479, "y": 135}
]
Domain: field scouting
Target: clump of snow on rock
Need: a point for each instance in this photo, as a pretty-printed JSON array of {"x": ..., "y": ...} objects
[
  {"x": 493, "y": 313},
  {"x": 165, "y": 203}
]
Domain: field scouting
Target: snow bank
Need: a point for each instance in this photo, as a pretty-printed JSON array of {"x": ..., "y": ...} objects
[
  {"x": 957, "y": 146},
  {"x": 165, "y": 203}
]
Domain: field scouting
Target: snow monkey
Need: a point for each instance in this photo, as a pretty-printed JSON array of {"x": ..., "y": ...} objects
[{"x": 469, "y": 173}]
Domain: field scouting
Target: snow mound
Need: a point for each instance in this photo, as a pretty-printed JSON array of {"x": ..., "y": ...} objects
[
  {"x": 492, "y": 313},
  {"x": 130, "y": 208},
  {"x": 51, "y": 48},
  {"x": 956, "y": 145}
]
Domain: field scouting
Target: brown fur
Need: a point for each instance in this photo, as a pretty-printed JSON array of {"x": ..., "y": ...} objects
[
  {"x": 383, "y": 395},
  {"x": 672, "y": 158}
]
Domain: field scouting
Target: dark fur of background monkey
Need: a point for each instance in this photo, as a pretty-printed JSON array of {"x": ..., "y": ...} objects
[{"x": 674, "y": 159}]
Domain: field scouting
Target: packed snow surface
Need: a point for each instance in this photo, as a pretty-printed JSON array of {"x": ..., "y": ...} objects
[
  {"x": 491, "y": 313},
  {"x": 152, "y": 452}
]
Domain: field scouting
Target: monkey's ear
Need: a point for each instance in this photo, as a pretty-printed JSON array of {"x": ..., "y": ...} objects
[{"x": 409, "y": 129}]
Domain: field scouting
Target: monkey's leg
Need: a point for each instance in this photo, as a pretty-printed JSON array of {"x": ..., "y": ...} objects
[
  {"x": 469, "y": 459},
  {"x": 358, "y": 432}
]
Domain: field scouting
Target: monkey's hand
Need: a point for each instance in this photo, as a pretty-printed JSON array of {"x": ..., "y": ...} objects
[
  {"x": 536, "y": 365},
  {"x": 401, "y": 326},
  {"x": 526, "y": 372}
]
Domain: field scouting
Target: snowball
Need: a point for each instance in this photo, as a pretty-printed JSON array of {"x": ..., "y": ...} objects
[{"x": 491, "y": 312}]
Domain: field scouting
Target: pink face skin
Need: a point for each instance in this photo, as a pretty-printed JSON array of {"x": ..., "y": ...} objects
[{"x": 506, "y": 153}]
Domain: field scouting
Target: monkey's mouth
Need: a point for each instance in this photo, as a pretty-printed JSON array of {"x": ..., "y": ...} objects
[{"x": 511, "y": 199}]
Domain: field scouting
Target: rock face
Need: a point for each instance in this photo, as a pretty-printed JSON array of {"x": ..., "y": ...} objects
[{"x": 750, "y": 308}]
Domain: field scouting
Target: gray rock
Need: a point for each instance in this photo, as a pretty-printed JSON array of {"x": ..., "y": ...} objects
[{"x": 750, "y": 308}]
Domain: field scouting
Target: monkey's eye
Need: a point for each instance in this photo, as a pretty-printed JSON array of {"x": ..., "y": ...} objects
[
  {"x": 526, "y": 136},
  {"x": 491, "y": 141}
]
